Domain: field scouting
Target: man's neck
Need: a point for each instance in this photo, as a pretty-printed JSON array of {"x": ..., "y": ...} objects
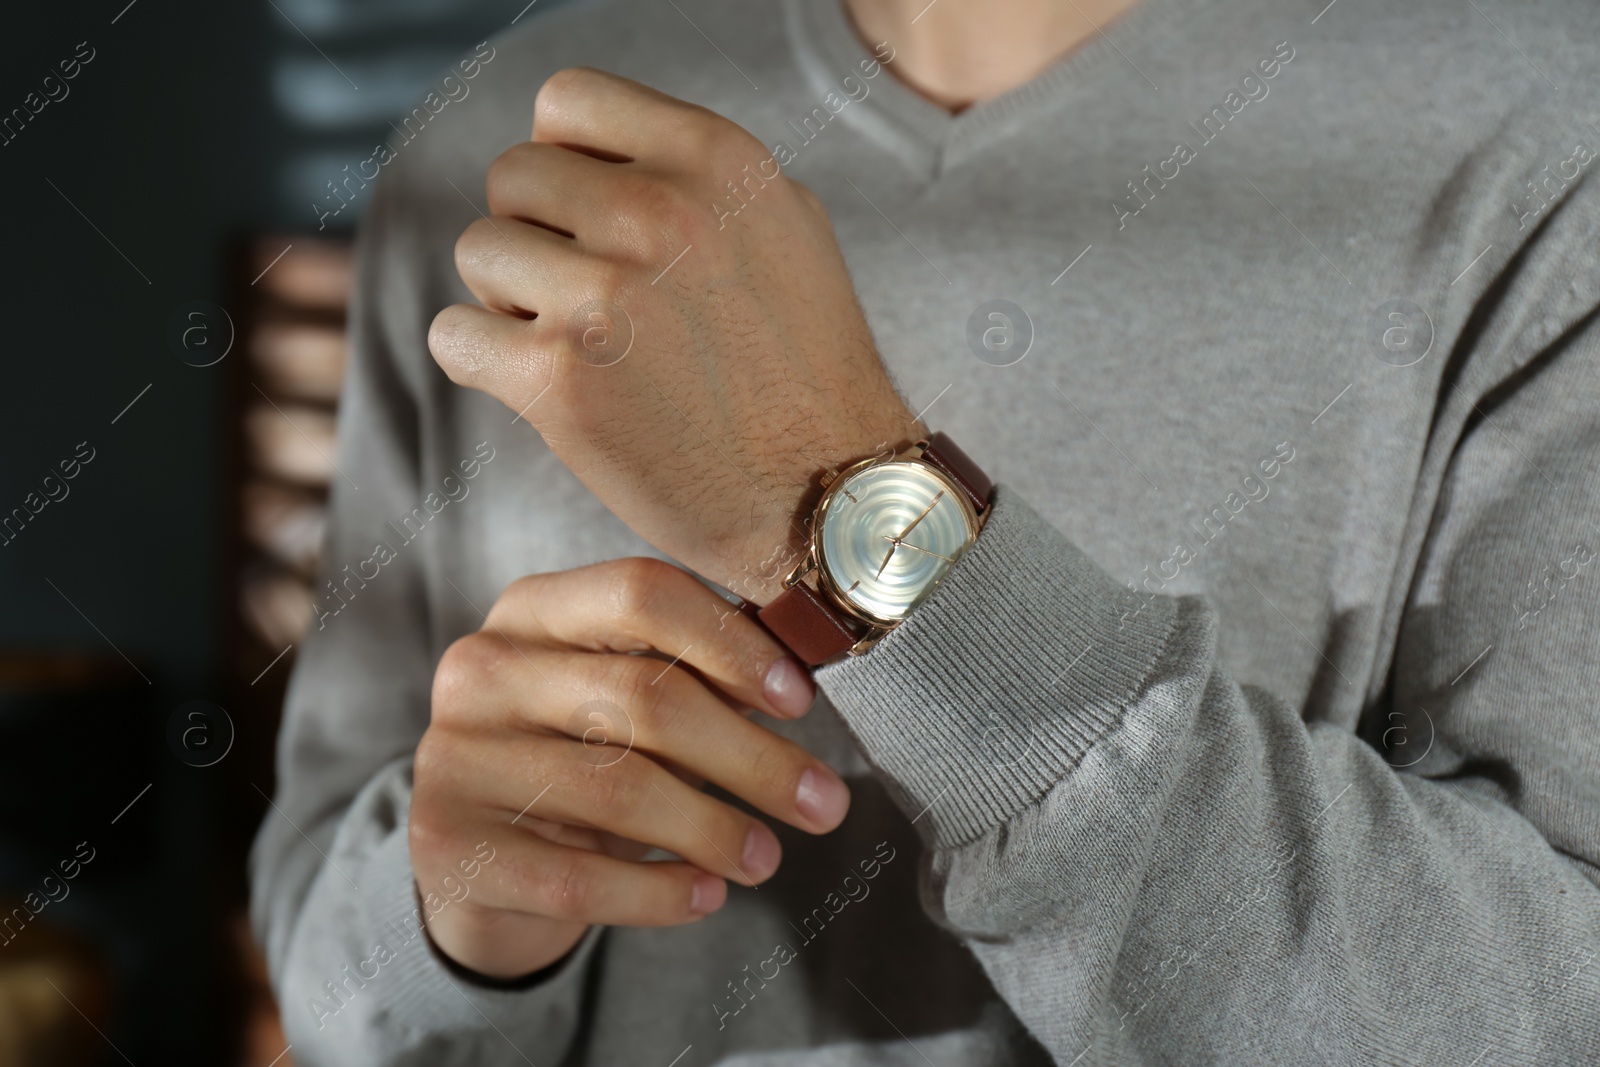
[{"x": 957, "y": 53}]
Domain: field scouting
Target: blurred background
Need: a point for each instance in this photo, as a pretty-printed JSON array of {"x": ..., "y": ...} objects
[{"x": 173, "y": 355}]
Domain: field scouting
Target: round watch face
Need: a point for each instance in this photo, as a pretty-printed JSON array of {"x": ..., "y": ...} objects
[{"x": 889, "y": 533}]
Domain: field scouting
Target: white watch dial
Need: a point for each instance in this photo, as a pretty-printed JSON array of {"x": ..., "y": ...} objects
[{"x": 889, "y": 533}]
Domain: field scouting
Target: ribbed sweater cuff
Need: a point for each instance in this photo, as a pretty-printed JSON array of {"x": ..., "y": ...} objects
[
  {"x": 423, "y": 995},
  {"x": 997, "y": 685}
]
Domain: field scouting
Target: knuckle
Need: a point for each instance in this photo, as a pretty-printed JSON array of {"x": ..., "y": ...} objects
[
  {"x": 462, "y": 668},
  {"x": 566, "y": 889},
  {"x": 746, "y": 650},
  {"x": 523, "y": 597},
  {"x": 505, "y": 175},
  {"x": 465, "y": 248},
  {"x": 729, "y": 147},
  {"x": 616, "y": 792},
  {"x": 659, "y": 711},
  {"x": 557, "y": 89},
  {"x": 698, "y": 134},
  {"x": 429, "y": 831},
  {"x": 643, "y": 191},
  {"x": 476, "y": 250},
  {"x": 576, "y": 889},
  {"x": 708, "y": 136},
  {"x": 657, "y": 213},
  {"x": 426, "y": 765},
  {"x": 612, "y": 282},
  {"x": 469, "y": 254},
  {"x": 812, "y": 200},
  {"x": 636, "y": 587},
  {"x": 633, "y": 683},
  {"x": 774, "y": 764},
  {"x": 422, "y": 838},
  {"x": 685, "y": 220}
]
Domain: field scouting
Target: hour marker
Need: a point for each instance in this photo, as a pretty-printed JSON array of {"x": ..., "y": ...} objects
[
  {"x": 853, "y": 585},
  {"x": 851, "y": 495}
]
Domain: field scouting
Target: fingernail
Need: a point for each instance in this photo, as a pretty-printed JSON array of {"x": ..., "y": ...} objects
[
  {"x": 708, "y": 894},
  {"x": 761, "y": 853},
  {"x": 822, "y": 797},
  {"x": 789, "y": 688}
]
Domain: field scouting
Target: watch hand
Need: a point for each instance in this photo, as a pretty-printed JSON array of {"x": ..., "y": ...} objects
[
  {"x": 919, "y": 518},
  {"x": 894, "y": 545},
  {"x": 924, "y": 551}
]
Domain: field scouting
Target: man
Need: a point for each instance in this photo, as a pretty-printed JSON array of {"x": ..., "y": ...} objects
[{"x": 1247, "y": 717}]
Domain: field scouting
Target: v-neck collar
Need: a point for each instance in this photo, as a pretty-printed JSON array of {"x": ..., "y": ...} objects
[{"x": 928, "y": 138}]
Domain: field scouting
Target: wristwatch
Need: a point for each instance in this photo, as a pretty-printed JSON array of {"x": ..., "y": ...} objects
[{"x": 884, "y": 534}]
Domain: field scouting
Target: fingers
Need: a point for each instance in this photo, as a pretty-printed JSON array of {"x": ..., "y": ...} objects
[
  {"x": 672, "y": 715},
  {"x": 637, "y": 799},
  {"x": 512, "y": 359},
  {"x": 636, "y": 705},
  {"x": 678, "y": 719},
  {"x": 523, "y": 269},
  {"x": 633, "y": 604},
  {"x": 597, "y": 111},
  {"x": 558, "y": 782},
  {"x": 568, "y": 192},
  {"x": 535, "y": 876}
]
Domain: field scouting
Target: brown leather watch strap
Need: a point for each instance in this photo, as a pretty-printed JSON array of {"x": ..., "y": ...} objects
[
  {"x": 946, "y": 455},
  {"x": 813, "y": 629}
]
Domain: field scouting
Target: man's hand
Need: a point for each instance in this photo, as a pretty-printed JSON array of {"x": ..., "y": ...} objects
[
  {"x": 751, "y": 367},
  {"x": 572, "y": 757}
]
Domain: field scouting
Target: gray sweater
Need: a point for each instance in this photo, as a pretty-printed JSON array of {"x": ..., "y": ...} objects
[{"x": 1261, "y": 726}]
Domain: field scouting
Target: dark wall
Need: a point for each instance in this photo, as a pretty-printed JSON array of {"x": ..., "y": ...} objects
[
  {"x": 119, "y": 200},
  {"x": 160, "y": 147}
]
